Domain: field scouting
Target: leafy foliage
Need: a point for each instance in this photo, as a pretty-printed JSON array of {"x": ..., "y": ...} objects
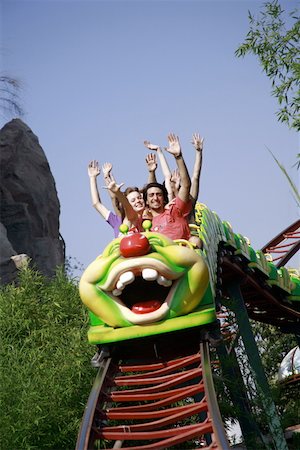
[
  {"x": 273, "y": 346},
  {"x": 238, "y": 394},
  {"x": 277, "y": 49},
  {"x": 44, "y": 365},
  {"x": 295, "y": 191}
]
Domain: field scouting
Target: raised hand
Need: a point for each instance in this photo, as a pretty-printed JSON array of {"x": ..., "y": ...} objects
[
  {"x": 93, "y": 168},
  {"x": 197, "y": 142},
  {"x": 151, "y": 162},
  {"x": 150, "y": 146},
  {"x": 175, "y": 178},
  {"x": 174, "y": 145},
  {"x": 112, "y": 185},
  {"x": 106, "y": 169}
]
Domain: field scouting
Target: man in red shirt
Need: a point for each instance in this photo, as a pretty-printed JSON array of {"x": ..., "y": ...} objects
[{"x": 171, "y": 220}]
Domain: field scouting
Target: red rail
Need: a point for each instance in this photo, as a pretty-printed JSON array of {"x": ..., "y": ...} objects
[{"x": 284, "y": 245}]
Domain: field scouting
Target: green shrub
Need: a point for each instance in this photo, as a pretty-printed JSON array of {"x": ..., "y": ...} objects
[{"x": 45, "y": 367}]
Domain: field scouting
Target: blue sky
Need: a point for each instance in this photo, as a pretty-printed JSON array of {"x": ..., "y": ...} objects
[{"x": 100, "y": 77}]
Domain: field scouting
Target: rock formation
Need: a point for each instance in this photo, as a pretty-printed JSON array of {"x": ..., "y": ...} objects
[{"x": 29, "y": 206}]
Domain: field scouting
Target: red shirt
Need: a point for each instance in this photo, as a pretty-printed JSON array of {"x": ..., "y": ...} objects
[{"x": 173, "y": 222}]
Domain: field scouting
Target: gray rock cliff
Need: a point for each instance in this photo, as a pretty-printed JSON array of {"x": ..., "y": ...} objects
[{"x": 29, "y": 206}]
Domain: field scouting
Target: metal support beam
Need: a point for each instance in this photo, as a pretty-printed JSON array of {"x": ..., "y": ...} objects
[
  {"x": 233, "y": 380},
  {"x": 238, "y": 307}
]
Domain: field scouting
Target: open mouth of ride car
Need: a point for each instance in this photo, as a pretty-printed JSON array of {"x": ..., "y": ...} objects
[{"x": 143, "y": 294}]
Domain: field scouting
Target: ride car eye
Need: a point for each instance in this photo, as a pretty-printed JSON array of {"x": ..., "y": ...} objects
[
  {"x": 184, "y": 243},
  {"x": 154, "y": 240},
  {"x": 114, "y": 247}
]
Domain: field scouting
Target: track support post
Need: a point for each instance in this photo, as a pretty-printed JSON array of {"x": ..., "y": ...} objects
[
  {"x": 237, "y": 305},
  {"x": 234, "y": 382}
]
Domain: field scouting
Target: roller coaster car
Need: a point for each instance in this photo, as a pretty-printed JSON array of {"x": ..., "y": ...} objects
[{"x": 145, "y": 284}]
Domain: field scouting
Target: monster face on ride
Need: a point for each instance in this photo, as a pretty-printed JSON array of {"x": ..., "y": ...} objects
[{"x": 144, "y": 278}]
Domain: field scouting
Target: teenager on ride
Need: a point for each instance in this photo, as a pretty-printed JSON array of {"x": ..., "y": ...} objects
[
  {"x": 173, "y": 220},
  {"x": 129, "y": 207},
  {"x": 172, "y": 180},
  {"x": 133, "y": 204}
]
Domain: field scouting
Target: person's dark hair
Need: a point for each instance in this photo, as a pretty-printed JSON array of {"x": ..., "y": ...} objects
[
  {"x": 157, "y": 185},
  {"x": 131, "y": 189}
]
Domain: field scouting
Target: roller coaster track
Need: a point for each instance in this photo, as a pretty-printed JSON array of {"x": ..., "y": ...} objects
[
  {"x": 153, "y": 405},
  {"x": 168, "y": 397},
  {"x": 265, "y": 301},
  {"x": 285, "y": 245}
]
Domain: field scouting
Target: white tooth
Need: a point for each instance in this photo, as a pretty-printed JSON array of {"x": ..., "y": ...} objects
[
  {"x": 149, "y": 274},
  {"x": 127, "y": 278},
  {"x": 164, "y": 281},
  {"x": 120, "y": 285},
  {"x": 116, "y": 292}
]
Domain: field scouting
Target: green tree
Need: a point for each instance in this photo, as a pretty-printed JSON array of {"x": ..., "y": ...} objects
[
  {"x": 277, "y": 48},
  {"x": 239, "y": 397},
  {"x": 45, "y": 366},
  {"x": 273, "y": 345}
]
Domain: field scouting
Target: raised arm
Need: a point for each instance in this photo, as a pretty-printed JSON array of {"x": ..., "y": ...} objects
[
  {"x": 197, "y": 142},
  {"x": 130, "y": 214},
  {"x": 164, "y": 167},
  {"x": 152, "y": 166},
  {"x": 93, "y": 172},
  {"x": 163, "y": 162},
  {"x": 175, "y": 150},
  {"x": 107, "y": 172}
]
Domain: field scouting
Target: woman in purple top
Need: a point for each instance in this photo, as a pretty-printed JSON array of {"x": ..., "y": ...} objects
[
  {"x": 114, "y": 219},
  {"x": 131, "y": 201}
]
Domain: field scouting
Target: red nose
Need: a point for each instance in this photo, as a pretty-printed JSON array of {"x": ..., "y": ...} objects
[{"x": 134, "y": 245}]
